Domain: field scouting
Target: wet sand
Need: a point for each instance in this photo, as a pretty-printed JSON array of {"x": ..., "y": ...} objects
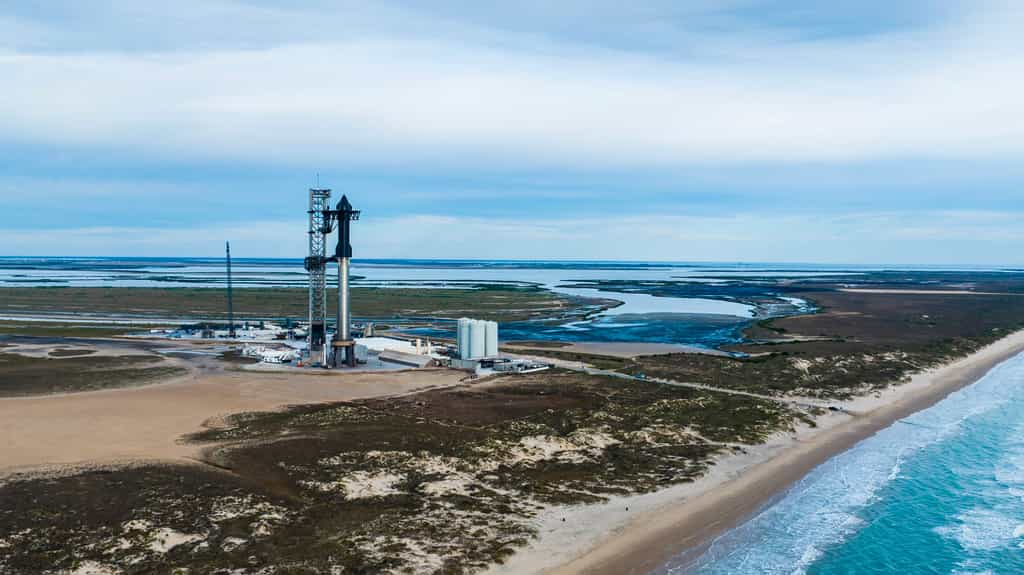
[{"x": 635, "y": 535}]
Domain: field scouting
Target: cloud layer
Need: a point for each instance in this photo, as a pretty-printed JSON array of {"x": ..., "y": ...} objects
[
  {"x": 946, "y": 91},
  {"x": 658, "y": 129},
  {"x": 931, "y": 237}
]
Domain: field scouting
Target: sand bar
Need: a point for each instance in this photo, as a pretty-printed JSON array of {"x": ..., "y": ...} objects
[{"x": 634, "y": 535}]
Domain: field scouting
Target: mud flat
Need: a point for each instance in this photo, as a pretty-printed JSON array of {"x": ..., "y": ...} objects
[{"x": 637, "y": 534}]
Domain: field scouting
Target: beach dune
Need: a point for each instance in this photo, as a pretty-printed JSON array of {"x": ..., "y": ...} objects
[{"x": 638, "y": 534}]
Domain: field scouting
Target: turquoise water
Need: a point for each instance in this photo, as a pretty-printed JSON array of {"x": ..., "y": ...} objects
[{"x": 939, "y": 492}]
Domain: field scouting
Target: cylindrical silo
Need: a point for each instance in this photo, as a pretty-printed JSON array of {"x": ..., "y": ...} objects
[
  {"x": 462, "y": 338},
  {"x": 467, "y": 350},
  {"x": 478, "y": 339},
  {"x": 491, "y": 345}
]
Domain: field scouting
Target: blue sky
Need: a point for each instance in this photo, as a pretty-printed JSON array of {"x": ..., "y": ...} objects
[{"x": 735, "y": 130}]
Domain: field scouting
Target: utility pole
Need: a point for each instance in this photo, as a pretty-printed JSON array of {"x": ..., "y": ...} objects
[{"x": 231, "y": 303}]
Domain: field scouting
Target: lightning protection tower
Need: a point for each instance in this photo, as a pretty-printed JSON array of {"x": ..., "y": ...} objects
[
  {"x": 316, "y": 265},
  {"x": 231, "y": 303}
]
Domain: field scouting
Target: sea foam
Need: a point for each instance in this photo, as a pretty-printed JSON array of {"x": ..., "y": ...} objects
[{"x": 937, "y": 492}]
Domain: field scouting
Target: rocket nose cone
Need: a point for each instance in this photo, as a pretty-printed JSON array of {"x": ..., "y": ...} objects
[{"x": 343, "y": 205}]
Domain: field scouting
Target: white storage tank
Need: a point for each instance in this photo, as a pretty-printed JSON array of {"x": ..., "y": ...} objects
[
  {"x": 491, "y": 343},
  {"x": 463, "y": 338},
  {"x": 477, "y": 339}
]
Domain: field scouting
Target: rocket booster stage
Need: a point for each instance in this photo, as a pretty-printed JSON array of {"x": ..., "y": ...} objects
[
  {"x": 343, "y": 345},
  {"x": 345, "y": 215}
]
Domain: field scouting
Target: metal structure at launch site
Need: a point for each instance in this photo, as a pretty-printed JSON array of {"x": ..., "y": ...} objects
[
  {"x": 231, "y": 302},
  {"x": 477, "y": 339},
  {"x": 322, "y": 221},
  {"x": 343, "y": 344},
  {"x": 316, "y": 265}
]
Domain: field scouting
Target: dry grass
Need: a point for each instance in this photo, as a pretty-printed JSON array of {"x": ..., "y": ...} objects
[
  {"x": 499, "y": 303},
  {"x": 442, "y": 481},
  {"x": 24, "y": 376}
]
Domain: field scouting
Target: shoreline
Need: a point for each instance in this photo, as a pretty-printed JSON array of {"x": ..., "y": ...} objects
[{"x": 637, "y": 534}]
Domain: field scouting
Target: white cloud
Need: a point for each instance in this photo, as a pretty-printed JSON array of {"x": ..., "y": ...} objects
[
  {"x": 952, "y": 92},
  {"x": 927, "y": 237}
]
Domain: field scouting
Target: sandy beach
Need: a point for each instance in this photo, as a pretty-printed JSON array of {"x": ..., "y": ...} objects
[
  {"x": 625, "y": 535},
  {"x": 634, "y": 535}
]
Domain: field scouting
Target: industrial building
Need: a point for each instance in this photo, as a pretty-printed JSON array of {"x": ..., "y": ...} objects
[
  {"x": 476, "y": 345},
  {"x": 477, "y": 339},
  {"x": 338, "y": 350}
]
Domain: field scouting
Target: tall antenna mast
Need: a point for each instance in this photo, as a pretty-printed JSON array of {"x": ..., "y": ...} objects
[{"x": 231, "y": 303}]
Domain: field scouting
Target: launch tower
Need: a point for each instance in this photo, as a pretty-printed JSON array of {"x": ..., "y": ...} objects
[
  {"x": 322, "y": 221},
  {"x": 316, "y": 265}
]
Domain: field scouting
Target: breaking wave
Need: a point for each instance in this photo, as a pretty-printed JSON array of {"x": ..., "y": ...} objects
[{"x": 939, "y": 491}]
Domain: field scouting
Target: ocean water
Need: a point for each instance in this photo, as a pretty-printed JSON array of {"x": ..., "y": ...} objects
[{"x": 940, "y": 492}]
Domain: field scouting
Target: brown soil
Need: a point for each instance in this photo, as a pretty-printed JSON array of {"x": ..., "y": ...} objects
[{"x": 146, "y": 422}]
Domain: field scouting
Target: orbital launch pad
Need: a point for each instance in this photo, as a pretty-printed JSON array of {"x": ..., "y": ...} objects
[{"x": 340, "y": 351}]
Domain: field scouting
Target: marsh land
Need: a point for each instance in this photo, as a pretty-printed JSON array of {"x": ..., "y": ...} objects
[
  {"x": 487, "y": 302},
  {"x": 222, "y": 469}
]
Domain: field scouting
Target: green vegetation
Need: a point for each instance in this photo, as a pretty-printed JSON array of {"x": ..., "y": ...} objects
[
  {"x": 764, "y": 329},
  {"x": 449, "y": 480},
  {"x": 22, "y": 375},
  {"x": 606, "y": 362},
  {"x": 868, "y": 342},
  {"x": 835, "y": 376},
  {"x": 486, "y": 302},
  {"x": 551, "y": 404},
  {"x": 860, "y": 342},
  {"x": 443, "y": 481},
  {"x": 63, "y": 352},
  {"x": 68, "y": 329},
  {"x": 114, "y": 509},
  {"x": 906, "y": 321}
]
